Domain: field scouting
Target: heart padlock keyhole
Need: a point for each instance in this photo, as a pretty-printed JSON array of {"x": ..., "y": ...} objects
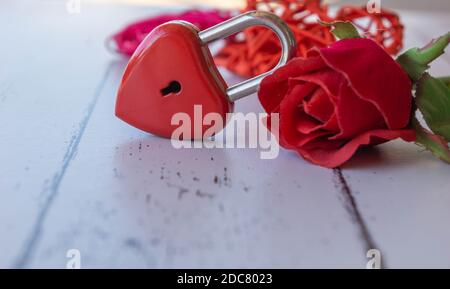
[
  {"x": 151, "y": 92},
  {"x": 172, "y": 87}
]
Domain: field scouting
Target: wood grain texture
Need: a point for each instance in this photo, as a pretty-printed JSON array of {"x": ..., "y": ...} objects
[
  {"x": 74, "y": 176},
  {"x": 403, "y": 191}
]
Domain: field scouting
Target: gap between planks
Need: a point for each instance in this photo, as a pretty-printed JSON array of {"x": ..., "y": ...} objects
[
  {"x": 53, "y": 189},
  {"x": 25, "y": 256},
  {"x": 351, "y": 206}
]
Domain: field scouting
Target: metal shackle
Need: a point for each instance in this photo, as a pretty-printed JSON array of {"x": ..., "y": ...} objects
[{"x": 239, "y": 23}]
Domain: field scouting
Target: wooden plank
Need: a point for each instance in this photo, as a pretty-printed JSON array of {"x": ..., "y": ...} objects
[
  {"x": 403, "y": 192},
  {"x": 132, "y": 200},
  {"x": 50, "y": 204},
  {"x": 52, "y": 68},
  {"x": 79, "y": 178}
]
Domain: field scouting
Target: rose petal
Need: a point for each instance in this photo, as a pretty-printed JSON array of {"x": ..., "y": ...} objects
[
  {"x": 274, "y": 87},
  {"x": 290, "y": 116},
  {"x": 375, "y": 77},
  {"x": 332, "y": 124},
  {"x": 356, "y": 115},
  {"x": 331, "y": 158},
  {"x": 328, "y": 79},
  {"x": 305, "y": 123},
  {"x": 319, "y": 106}
]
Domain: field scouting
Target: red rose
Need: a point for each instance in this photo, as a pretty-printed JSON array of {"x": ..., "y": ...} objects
[{"x": 338, "y": 99}]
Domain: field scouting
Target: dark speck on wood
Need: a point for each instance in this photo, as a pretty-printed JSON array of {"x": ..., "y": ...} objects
[
  {"x": 181, "y": 192},
  {"x": 201, "y": 194},
  {"x": 226, "y": 179},
  {"x": 116, "y": 173},
  {"x": 133, "y": 243}
]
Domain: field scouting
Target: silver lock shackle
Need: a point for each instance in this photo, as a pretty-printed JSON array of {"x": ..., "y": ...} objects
[{"x": 239, "y": 23}]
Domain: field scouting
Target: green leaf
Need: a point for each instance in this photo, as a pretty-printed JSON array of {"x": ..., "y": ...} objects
[
  {"x": 416, "y": 61},
  {"x": 433, "y": 100},
  {"x": 445, "y": 80},
  {"x": 431, "y": 142},
  {"x": 342, "y": 29}
]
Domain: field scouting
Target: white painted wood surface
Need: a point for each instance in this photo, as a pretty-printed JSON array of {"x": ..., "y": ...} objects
[{"x": 72, "y": 176}]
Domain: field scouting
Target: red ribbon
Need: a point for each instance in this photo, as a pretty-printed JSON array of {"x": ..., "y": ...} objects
[
  {"x": 259, "y": 50},
  {"x": 128, "y": 39}
]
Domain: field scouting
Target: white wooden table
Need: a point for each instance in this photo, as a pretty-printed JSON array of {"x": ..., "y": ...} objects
[{"x": 72, "y": 176}]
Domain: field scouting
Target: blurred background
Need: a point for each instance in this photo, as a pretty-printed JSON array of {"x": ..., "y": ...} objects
[
  {"x": 397, "y": 4},
  {"x": 74, "y": 176}
]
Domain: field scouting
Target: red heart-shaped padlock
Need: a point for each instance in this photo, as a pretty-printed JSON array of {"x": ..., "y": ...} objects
[{"x": 172, "y": 71}]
